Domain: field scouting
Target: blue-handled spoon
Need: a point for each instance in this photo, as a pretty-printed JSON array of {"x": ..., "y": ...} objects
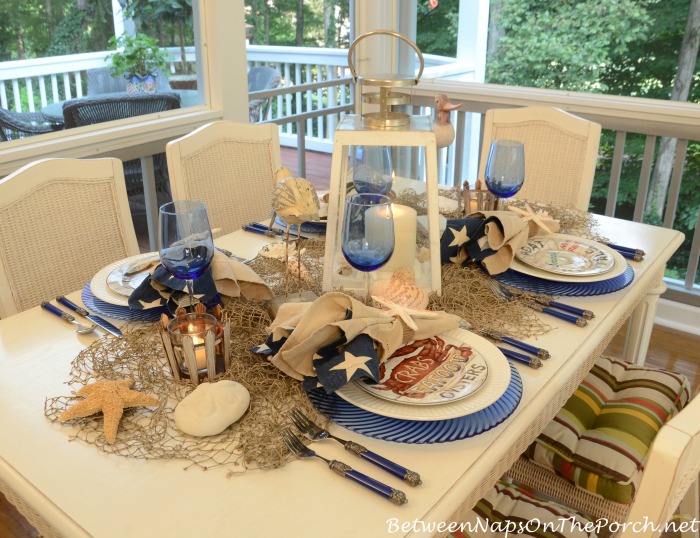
[{"x": 65, "y": 316}]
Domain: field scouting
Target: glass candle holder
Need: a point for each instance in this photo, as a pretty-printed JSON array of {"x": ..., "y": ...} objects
[{"x": 197, "y": 344}]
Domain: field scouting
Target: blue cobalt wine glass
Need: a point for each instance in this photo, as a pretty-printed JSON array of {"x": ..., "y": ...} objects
[
  {"x": 505, "y": 168},
  {"x": 187, "y": 246},
  {"x": 372, "y": 169},
  {"x": 368, "y": 233}
]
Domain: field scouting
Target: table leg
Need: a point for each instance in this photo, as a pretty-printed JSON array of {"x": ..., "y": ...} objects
[
  {"x": 641, "y": 323},
  {"x": 150, "y": 199}
]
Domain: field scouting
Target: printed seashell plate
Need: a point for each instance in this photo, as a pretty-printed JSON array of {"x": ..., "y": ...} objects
[{"x": 566, "y": 255}]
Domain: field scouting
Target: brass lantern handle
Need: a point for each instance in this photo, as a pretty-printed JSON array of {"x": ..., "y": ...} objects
[{"x": 351, "y": 64}]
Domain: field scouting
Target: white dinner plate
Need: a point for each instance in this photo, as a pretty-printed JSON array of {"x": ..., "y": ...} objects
[
  {"x": 100, "y": 288},
  {"x": 566, "y": 255},
  {"x": 618, "y": 269},
  {"x": 494, "y": 387},
  {"x": 128, "y": 276},
  {"x": 435, "y": 371}
]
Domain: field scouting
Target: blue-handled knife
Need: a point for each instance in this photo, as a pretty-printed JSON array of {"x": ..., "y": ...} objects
[
  {"x": 585, "y": 314},
  {"x": 97, "y": 320},
  {"x": 576, "y": 320}
]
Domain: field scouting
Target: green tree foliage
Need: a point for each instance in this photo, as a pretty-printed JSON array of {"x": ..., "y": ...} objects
[
  {"x": 622, "y": 47},
  {"x": 564, "y": 44},
  {"x": 436, "y": 29}
]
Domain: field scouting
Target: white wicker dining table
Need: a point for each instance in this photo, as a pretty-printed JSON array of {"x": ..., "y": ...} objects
[{"x": 72, "y": 489}]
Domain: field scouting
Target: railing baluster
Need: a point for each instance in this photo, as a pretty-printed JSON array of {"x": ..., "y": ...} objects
[
  {"x": 320, "y": 94},
  {"x": 288, "y": 96},
  {"x": 3, "y": 95},
  {"x": 332, "y": 101},
  {"x": 66, "y": 86},
  {"x": 694, "y": 257},
  {"x": 42, "y": 90},
  {"x": 615, "y": 172},
  {"x": 54, "y": 88},
  {"x": 675, "y": 184},
  {"x": 28, "y": 86},
  {"x": 16, "y": 95},
  {"x": 644, "y": 175},
  {"x": 309, "y": 100}
]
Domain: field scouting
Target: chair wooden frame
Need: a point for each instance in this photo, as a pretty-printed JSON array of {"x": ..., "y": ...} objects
[
  {"x": 61, "y": 221},
  {"x": 231, "y": 167},
  {"x": 561, "y": 151}
]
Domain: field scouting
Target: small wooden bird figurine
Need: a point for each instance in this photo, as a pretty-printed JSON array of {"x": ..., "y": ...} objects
[{"x": 444, "y": 130}]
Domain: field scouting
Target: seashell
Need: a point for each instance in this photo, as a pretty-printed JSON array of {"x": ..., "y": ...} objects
[
  {"x": 296, "y": 268},
  {"x": 277, "y": 251},
  {"x": 295, "y": 200},
  {"x": 401, "y": 289},
  {"x": 211, "y": 408}
]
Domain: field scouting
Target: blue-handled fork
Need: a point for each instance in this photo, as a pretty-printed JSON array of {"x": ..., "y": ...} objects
[
  {"x": 302, "y": 451},
  {"x": 312, "y": 431}
]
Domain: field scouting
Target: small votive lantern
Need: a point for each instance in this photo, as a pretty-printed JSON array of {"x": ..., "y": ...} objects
[{"x": 197, "y": 345}]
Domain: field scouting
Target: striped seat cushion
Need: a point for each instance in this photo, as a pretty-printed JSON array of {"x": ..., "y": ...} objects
[
  {"x": 507, "y": 510},
  {"x": 600, "y": 439}
]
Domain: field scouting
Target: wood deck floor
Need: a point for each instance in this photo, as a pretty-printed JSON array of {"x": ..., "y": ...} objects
[{"x": 669, "y": 349}]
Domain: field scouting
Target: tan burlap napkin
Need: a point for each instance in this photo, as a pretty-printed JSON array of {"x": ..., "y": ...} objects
[
  {"x": 233, "y": 279},
  {"x": 505, "y": 237},
  {"x": 323, "y": 321}
]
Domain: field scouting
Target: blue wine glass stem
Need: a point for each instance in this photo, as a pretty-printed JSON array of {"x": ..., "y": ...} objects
[
  {"x": 190, "y": 291},
  {"x": 367, "y": 288}
]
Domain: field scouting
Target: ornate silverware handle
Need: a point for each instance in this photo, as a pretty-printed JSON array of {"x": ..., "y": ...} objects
[
  {"x": 394, "y": 495},
  {"x": 410, "y": 477}
]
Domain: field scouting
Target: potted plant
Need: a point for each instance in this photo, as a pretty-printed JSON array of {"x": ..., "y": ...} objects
[{"x": 138, "y": 58}]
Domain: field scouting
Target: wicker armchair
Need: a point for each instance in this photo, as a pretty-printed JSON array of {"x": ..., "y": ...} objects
[
  {"x": 561, "y": 151},
  {"x": 61, "y": 221},
  {"x": 14, "y": 125},
  {"x": 261, "y": 78},
  {"x": 117, "y": 106}
]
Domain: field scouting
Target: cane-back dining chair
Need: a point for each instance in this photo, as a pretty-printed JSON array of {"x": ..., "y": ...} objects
[
  {"x": 230, "y": 166},
  {"x": 61, "y": 220},
  {"x": 261, "y": 78},
  {"x": 625, "y": 447},
  {"x": 561, "y": 151},
  {"x": 15, "y": 125}
]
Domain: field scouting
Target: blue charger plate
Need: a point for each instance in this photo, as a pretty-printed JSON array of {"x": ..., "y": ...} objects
[
  {"x": 419, "y": 432},
  {"x": 98, "y": 306},
  {"x": 570, "y": 289}
]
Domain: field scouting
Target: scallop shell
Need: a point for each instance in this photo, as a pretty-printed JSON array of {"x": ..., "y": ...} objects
[
  {"x": 401, "y": 290},
  {"x": 295, "y": 200}
]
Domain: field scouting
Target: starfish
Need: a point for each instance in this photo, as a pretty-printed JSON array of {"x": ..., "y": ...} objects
[
  {"x": 538, "y": 217},
  {"x": 406, "y": 314},
  {"x": 110, "y": 397}
]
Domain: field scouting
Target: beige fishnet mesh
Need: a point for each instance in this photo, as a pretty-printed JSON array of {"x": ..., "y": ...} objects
[{"x": 254, "y": 442}]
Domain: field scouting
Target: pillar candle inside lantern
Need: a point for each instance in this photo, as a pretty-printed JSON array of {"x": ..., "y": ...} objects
[{"x": 405, "y": 220}]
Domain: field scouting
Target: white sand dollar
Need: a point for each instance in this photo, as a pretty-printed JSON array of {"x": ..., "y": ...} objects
[{"x": 211, "y": 408}]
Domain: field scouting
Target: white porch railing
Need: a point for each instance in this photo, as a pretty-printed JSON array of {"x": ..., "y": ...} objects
[
  {"x": 29, "y": 85},
  {"x": 316, "y": 90}
]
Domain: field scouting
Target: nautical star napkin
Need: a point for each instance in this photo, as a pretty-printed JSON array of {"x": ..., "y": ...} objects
[
  {"x": 337, "y": 339},
  {"x": 225, "y": 276}
]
